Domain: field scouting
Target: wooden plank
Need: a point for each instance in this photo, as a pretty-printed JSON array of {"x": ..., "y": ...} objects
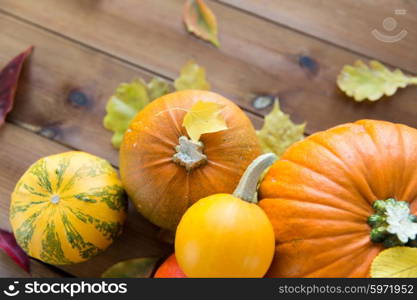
[
  {"x": 256, "y": 56},
  {"x": 9, "y": 268},
  {"x": 19, "y": 149},
  {"x": 64, "y": 87},
  {"x": 349, "y": 24}
]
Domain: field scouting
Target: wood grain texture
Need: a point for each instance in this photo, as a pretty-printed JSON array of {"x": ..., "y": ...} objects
[
  {"x": 19, "y": 149},
  {"x": 256, "y": 56},
  {"x": 9, "y": 268},
  {"x": 348, "y": 24},
  {"x": 64, "y": 88}
]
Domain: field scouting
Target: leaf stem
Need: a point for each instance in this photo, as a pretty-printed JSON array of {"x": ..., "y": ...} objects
[{"x": 413, "y": 80}]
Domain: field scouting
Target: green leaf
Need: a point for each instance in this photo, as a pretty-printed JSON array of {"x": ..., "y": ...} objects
[
  {"x": 192, "y": 77},
  {"x": 157, "y": 88},
  {"x": 132, "y": 268},
  {"x": 362, "y": 82},
  {"x": 395, "y": 262},
  {"x": 204, "y": 117},
  {"x": 279, "y": 132},
  {"x": 127, "y": 101},
  {"x": 200, "y": 20}
]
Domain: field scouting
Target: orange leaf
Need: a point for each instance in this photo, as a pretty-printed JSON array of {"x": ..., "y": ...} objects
[{"x": 200, "y": 20}]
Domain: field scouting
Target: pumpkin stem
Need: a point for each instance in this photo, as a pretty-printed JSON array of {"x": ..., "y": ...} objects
[
  {"x": 189, "y": 154},
  {"x": 246, "y": 189},
  {"x": 393, "y": 224}
]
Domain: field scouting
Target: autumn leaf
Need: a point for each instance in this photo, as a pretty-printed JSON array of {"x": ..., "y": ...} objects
[
  {"x": 157, "y": 88},
  {"x": 279, "y": 132},
  {"x": 9, "y": 77},
  {"x": 132, "y": 268},
  {"x": 130, "y": 98},
  {"x": 204, "y": 117},
  {"x": 200, "y": 20},
  {"x": 9, "y": 245},
  {"x": 127, "y": 101},
  {"x": 362, "y": 82},
  {"x": 395, "y": 262},
  {"x": 192, "y": 77}
]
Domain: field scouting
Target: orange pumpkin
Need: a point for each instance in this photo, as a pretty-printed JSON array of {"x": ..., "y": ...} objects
[
  {"x": 321, "y": 198},
  {"x": 163, "y": 187},
  {"x": 170, "y": 269}
]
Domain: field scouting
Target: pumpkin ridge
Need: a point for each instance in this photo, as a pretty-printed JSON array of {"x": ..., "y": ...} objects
[
  {"x": 313, "y": 191},
  {"x": 161, "y": 139},
  {"x": 32, "y": 190},
  {"x": 25, "y": 231},
  {"x": 375, "y": 142},
  {"x": 156, "y": 163},
  {"x": 167, "y": 184},
  {"x": 351, "y": 252},
  {"x": 405, "y": 175},
  {"x": 364, "y": 212},
  {"x": 371, "y": 189},
  {"x": 188, "y": 189},
  {"x": 403, "y": 162},
  {"x": 346, "y": 169},
  {"x": 221, "y": 166},
  {"x": 327, "y": 220},
  {"x": 60, "y": 171},
  {"x": 368, "y": 258},
  {"x": 51, "y": 246},
  {"x": 109, "y": 229},
  {"x": 208, "y": 178},
  {"x": 40, "y": 171},
  {"x": 24, "y": 207},
  {"x": 173, "y": 119},
  {"x": 352, "y": 233},
  {"x": 286, "y": 198},
  {"x": 75, "y": 239},
  {"x": 359, "y": 252}
]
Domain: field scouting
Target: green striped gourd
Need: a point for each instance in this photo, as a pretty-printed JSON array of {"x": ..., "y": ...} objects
[{"x": 67, "y": 208}]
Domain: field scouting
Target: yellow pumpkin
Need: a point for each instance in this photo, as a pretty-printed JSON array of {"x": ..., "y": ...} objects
[
  {"x": 227, "y": 235},
  {"x": 67, "y": 208}
]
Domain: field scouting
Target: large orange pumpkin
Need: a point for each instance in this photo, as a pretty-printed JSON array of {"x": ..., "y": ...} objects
[
  {"x": 162, "y": 187},
  {"x": 320, "y": 194}
]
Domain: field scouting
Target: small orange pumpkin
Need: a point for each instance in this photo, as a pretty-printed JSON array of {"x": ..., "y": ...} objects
[
  {"x": 321, "y": 198},
  {"x": 161, "y": 187},
  {"x": 170, "y": 269}
]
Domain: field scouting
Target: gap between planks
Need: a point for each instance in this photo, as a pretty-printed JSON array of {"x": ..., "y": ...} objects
[{"x": 262, "y": 64}]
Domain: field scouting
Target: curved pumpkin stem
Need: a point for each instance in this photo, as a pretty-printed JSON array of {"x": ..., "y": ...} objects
[{"x": 246, "y": 188}]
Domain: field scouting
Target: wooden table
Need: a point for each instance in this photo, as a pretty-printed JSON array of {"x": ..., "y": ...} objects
[{"x": 85, "y": 48}]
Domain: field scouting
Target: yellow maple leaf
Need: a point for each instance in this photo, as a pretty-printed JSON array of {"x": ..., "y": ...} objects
[
  {"x": 279, "y": 132},
  {"x": 127, "y": 101},
  {"x": 204, "y": 117},
  {"x": 395, "y": 262},
  {"x": 362, "y": 82},
  {"x": 192, "y": 77}
]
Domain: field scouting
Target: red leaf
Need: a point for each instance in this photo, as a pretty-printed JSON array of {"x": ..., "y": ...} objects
[
  {"x": 9, "y": 245},
  {"x": 9, "y": 77}
]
